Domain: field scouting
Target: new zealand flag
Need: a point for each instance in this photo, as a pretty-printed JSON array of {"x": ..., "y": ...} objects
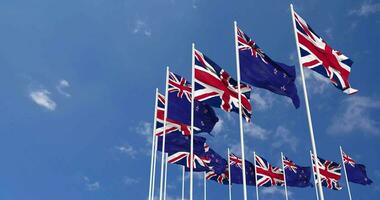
[
  {"x": 260, "y": 70},
  {"x": 236, "y": 167},
  {"x": 296, "y": 176},
  {"x": 179, "y": 106},
  {"x": 356, "y": 173}
]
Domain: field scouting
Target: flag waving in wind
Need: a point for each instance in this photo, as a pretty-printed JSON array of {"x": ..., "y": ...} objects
[
  {"x": 296, "y": 176},
  {"x": 179, "y": 106},
  {"x": 330, "y": 173},
  {"x": 268, "y": 175},
  {"x": 236, "y": 167},
  {"x": 215, "y": 86},
  {"x": 259, "y": 70},
  {"x": 317, "y": 55},
  {"x": 356, "y": 173}
]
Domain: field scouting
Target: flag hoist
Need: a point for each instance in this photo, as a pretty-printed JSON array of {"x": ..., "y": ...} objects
[
  {"x": 164, "y": 135},
  {"x": 310, "y": 123},
  {"x": 240, "y": 113}
]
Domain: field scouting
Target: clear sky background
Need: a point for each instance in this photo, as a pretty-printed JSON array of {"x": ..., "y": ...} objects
[{"x": 77, "y": 88}]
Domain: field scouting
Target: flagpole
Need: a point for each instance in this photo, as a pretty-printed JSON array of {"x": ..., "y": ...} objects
[
  {"x": 151, "y": 187},
  {"x": 345, "y": 173},
  {"x": 229, "y": 176},
  {"x": 192, "y": 123},
  {"x": 164, "y": 135},
  {"x": 310, "y": 123},
  {"x": 257, "y": 187},
  {"x": 204, "y": 186},
  {"x": 315, "y": 182},
  {"x": 240, "y": 113},
  {"x": 166, "y": 174},
  {"x": 154, "y": 167},
  {"x": 283, "y": 169},
  {"x": 183, "y": 182}
]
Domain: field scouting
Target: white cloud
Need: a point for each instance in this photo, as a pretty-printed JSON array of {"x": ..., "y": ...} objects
[
  {"x": 262, "y": 99},
  {"x": 41, "y": 98},
  {"x": 141, "y": 27},
  {"x": 367, "y": 8},
  {"x": 283, "y": 137},
  {"x": 127, "y": 149},
  {"x": 355, "y": 114},
  {"x": 91, "y": 186},
  {"x": 61, "y": 86},
  {"x": 218, "y": 126},
  {"x": 145, "y": 129},
  {"x": 130, "y": 181},
  {"x": 273, "y": 191},
  {"x": 255, "y": 131}
]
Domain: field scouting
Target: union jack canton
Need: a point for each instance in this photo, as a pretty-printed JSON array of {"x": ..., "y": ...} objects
[{"x": 317, "y": 55}]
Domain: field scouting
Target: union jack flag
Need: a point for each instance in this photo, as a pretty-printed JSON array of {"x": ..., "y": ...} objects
[
  {"x": 290, "y": 165},
  {"x": 267, "y": 175},
  {"x": 171, "y": 125},
  {"x": 329, "y": 172},
  {"x": 348, "y": 160},
  {"x": 317, "y": 55},
  {"x": 215, "y": 86},
  {"x": 235, "y": 161},
  {"x": 180, "y": 86},
  {"x": 183, "y": 158}
]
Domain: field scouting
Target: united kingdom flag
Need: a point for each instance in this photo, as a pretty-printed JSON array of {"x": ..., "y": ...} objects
[
  {"x": 329, "y": 172},
  {"x": 317, "y": 55},
  {"x": 171, "y": 125},
  {"x": 215, "y": 86},
  {"x": 268, "y": 175}
]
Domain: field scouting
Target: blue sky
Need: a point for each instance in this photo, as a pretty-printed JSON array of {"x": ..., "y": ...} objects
[{"x": 78, "y": 80}]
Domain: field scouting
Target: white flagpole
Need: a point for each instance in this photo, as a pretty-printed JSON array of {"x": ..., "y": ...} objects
[
  {"x": 183, "y": 182},
  {"x": 257, "y": 187},
  {"x": 154, "y": 167},
  {"x": 152, "y": 161},
  {"x": 204, "y": 186},
  {"x": 315, "y": 181},
  {"x": 240, "y": 113},
  {"x": 229, "y": 176},
  {"x": 166, "y": 174},
  {"x": 345, "y": 173},
  {"x": 283, "y": 169},
  {"x": 314, "y": 147},
  {"x": 164, "y": 134},
  {"x": 192, "y": 122}
]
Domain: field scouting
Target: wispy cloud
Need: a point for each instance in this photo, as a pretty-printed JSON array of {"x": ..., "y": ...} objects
[
  {"x": 355, "y": 114},
  {"x": 61, "y": 86},
  {"x": 218, "y": 126},
  {"x": 127, "y": 149},
  {"x": 366, "y": 8},
  {"x": 141, "y": 27},
  {"x": 145, "y": 129},
  {"x": 130, "y": 180},
  {"x": 91, "y": 186},
  {"x": 262, "y": 100},
  {"x": 317, "y": 82},
  {"x": 256, "y": 131},
  {"x": 283, "y": 137},
  {"x": 270, "y": 191},
  {"x": 41, "y": 97}
]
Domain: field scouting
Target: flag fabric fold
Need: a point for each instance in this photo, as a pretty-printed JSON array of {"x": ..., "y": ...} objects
[
  {"x": 317, "y": 55},
  {"x": 259, "y": 70},
  {"x": 215, "y": 86}
]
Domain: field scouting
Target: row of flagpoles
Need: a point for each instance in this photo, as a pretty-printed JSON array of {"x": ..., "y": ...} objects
[{"x": 312, "y": 52}]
